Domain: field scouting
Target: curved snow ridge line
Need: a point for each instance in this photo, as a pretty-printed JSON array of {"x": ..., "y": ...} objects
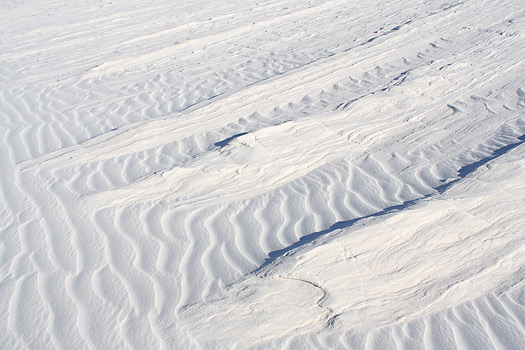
[
  {"x": 46, "y": 258},
  {"x": 67, "y": 265},
  {"x": 189, "y": 267},
  {"x": 127, "y": 299},
  {"x": 29, "y": 250},
  {"x": 62, "y": 261},
  {"x": 416, "y": 262}
]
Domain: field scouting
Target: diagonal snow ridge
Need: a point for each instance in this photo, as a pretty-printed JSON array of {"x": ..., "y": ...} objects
[
  {"x": 262, "y": 175},
  {"x": 109, "y": 102},
  {"x": 310, "y": 239},
  {"x": 190, "y": 147},
  {"x": 370, "y": 186},
  {"x": 145, "y": 135},
  {"x": 439, "y": 275}
]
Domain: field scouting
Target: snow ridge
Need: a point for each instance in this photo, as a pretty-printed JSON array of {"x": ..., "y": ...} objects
[{"x": 264, "y": 174}]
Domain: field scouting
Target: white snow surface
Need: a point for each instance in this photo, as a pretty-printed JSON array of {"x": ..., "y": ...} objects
[{"x": 262, "y": 174}]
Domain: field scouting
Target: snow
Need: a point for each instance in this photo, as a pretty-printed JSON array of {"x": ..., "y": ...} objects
[{"x": 262, "y": 174}]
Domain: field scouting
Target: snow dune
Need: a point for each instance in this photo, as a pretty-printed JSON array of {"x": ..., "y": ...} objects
[
  {"x": 441, "y": 257},
  {"x": 262, "y": 174}
]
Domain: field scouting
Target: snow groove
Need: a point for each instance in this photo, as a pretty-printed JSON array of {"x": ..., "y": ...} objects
[{"x": 171, "y": 151}]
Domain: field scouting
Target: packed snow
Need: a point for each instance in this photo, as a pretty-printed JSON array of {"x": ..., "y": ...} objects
[{"x": 262, "y": 174}]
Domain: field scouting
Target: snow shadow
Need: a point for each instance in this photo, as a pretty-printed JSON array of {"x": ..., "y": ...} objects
[{"x": 462, "y": 173}]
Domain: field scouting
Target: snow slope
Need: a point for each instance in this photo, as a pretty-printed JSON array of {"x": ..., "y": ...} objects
[{"x": 262, "y": 174}]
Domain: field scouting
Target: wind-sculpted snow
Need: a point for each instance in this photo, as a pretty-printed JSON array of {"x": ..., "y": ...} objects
[
  {"x": 322, "y": 174},
  {"x": 417, "y": 265}
]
